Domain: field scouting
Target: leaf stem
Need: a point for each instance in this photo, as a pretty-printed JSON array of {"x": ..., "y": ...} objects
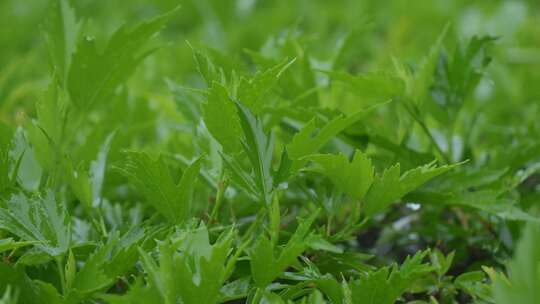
[
  {"x": 61, "y": 274},
  {"x": 221, "y": 187},
  {"x": 258, "y": 295},
  {"x": 433, "y": 141}
]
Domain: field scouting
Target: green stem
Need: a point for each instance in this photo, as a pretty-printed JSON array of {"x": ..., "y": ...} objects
[
  {"x": 61, "y": 274},
  {"x": 433, "y": 141},
  {"x": 329, "y": 225},
  {"x": 424, "y": 127},
  {"x": 257, "y": 297},
  {"x": 222, "y": 186}
]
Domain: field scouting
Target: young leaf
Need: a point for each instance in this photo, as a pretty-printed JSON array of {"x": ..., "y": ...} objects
[
  {"x": 87, "y": 186},
  {"x": 389, "y": 187},
  {"x": 423, "y": 77},
  {"x": 259, "y": 149},
  {"x": 206, "y": 67},
  {"x": 16, "y": 278},
  {"x": 524, "y": 271},
  {"x": 221, "y": 118},
  {"x": 93, "y": 76},
  {"x": 251, "y": 92},
  {"x": 353, "y": 178},
  {"x": 263, "y": 262},
  {"x": 6, "y": 136},
  {"x": 374, "y": 87},
  {"x": 153, "y": 179},
  {"x": 190, "y": 270},
  {"x": 266, "y": 266},
  {"x": 42, "y": 220},
  {"x": 386, "y": 285},
  {"x": 10, "y": 244},
  {"x": 47, "y": 132},
  {"x": 108, "y": 261},
  {"x": 61, "y": 30},
  {"x": 304, "y": 143},
  {"x": 458, "y": 75}
]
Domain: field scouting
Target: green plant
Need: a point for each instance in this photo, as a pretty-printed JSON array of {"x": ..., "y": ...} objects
[{"x": 290, "y": 152}]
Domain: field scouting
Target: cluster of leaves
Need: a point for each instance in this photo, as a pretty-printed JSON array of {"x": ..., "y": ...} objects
[{"x": 271, "y": 166}]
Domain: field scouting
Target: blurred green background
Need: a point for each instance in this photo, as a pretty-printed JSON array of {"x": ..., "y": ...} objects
[{"x": 373, "y": 31}]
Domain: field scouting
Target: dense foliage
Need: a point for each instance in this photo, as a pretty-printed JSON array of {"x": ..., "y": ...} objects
[{"x": 249, "y": 151}]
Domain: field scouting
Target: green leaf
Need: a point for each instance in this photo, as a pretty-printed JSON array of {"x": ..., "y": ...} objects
[
  {"x": 87, "y": 185},
  {"x": 221, "y": 118},
  {"x": 137, "y": 294},
  {"x": 47, "y": 133},
  {"x": 43, "y": 220},
  {"x": 524, "y": 271},
  {"x": 16, "y": 278},
  {"x": 317, "y": 242},
  {"x": 106, "y": 263},
  {"x": 384, "y": 191},
  {"x": 6, "y": 135},
  {"x": 93, "y": 76},
  {"x": 423, "y": 78},
  {"x": 11, "y": 244},
  {"x": 474, "y": 283},
  {"x": 386, "y": 285},
  {"x": 259, "y": 149},
  {"x": 353, "y": 178},
  {"x": 305, "y": 142},
  {"x": 373, "y": 87},
  {"x": 251, "y": 92},
  {"x": 190, "y": 270},
  {"x": 458, "y": 76},
  {"x": 61, "y": 30},
  {"x": 153, "y": 179},
  {"x": 206, "y": 67},
  {"x": 389, "y": 187},
  {"x": 263, "y": 262},
  {"x": 266, "y": 266},
  {"x": 488, "y": 200},
  {"x": 9, "y": 296},
  {"x": 440, "y": 262},
  {"x": 491, "y": 202},
  {"x": 268, "y": 297}
]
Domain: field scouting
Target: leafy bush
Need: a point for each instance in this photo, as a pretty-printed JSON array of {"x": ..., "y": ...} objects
[{"x": 290, "y": 152}]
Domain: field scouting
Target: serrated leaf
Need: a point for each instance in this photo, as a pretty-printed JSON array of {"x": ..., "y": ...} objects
[
  {"x": 250, "y": 92},
  {"x": 42, "y": 220},
  {"x": 221, "y": 118},
  {"x": 266, "y": 265},
  {"x": 190, "y": 270},
  {"x": 263, "y": 262},
  {"x": 206, "y": 67},
  {"x": 87, "y": 184},
  {"x": 93, "y": 76},
  {"x": 106, "y": 263},
  {"x": 524, "y": 271},
  {"x": 458, "y": 75},
  {"x": 258, "y": 147},
  {"x": 19, "y": 281},
  {"x": 373, "y": 87},
  {"x": 386, "y": 285},
  {"x": 6, "y": 135},
  {"x": 153, "y": 179},
  {"x": 11, "y": 244},
  {"x": 61, "y": 30},
  {"x": 353, "y": 178},
  {"x": 305, "y": 142},
  {"x": 491, "y": 202},
  {"x": 390, "y": 186},
  {"x": 47, "y": 132},
  {"x": 423, "y": 78}
]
